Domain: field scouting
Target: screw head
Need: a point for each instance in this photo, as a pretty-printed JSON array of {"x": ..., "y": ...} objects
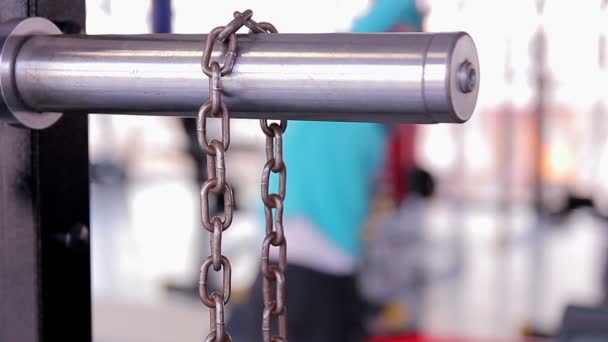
[{"x": 467, "y": 77}]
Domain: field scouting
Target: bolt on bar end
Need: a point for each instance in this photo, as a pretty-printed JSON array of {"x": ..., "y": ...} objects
[
  {"x": 12, "y": 36},
  {"x": 450, "y": 95}
]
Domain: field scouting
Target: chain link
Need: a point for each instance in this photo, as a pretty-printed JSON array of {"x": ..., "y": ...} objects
[
  {"x": 273, "y": 275},
  {"x": 216, "y": 182}
]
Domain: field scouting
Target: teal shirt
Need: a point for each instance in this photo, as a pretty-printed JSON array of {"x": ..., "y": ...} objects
[
  {"x": 385, "y": 14},
  {"x": 331, "y": 167}
]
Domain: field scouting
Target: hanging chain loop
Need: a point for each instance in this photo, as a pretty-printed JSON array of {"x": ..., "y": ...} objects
[{"x": 273, "y": 275}]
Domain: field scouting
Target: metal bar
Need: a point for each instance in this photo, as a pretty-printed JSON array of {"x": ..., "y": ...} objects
[{"x": 408, "y": 78}]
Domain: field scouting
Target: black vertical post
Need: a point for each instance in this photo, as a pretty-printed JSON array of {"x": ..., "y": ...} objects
[{"x": 44, "y": 213}]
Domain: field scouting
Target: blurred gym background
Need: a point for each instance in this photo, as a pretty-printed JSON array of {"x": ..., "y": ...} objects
[{"x": 515, "y": 234}]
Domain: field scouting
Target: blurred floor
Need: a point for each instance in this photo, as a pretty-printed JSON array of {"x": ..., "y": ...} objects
[
  {"x": 144, "y": 238},
  {"x": 513, "y": 270},
  {"x": 494, "y": 271}
]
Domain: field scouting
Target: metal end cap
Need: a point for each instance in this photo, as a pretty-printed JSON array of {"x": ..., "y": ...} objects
[
  {"x": 12, "y": 36},
  {"x": 457, "y": 71}
]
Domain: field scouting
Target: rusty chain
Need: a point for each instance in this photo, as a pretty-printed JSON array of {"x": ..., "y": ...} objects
[
  {"x": 216, "y": 183},
  {"x": 216, "y": 170},
  {"x": 273, "y": 274}
]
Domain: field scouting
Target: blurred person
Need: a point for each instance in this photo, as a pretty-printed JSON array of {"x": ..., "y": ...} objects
[
  {"x": 332, "y": 168},
  {"x": 395, "y": 288},
  {"x": 331, "y": 172}
]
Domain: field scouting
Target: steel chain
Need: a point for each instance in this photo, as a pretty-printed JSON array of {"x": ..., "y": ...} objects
[
  {"x": 273, "y": 275},
  {"x": 216, "y": 169}
]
